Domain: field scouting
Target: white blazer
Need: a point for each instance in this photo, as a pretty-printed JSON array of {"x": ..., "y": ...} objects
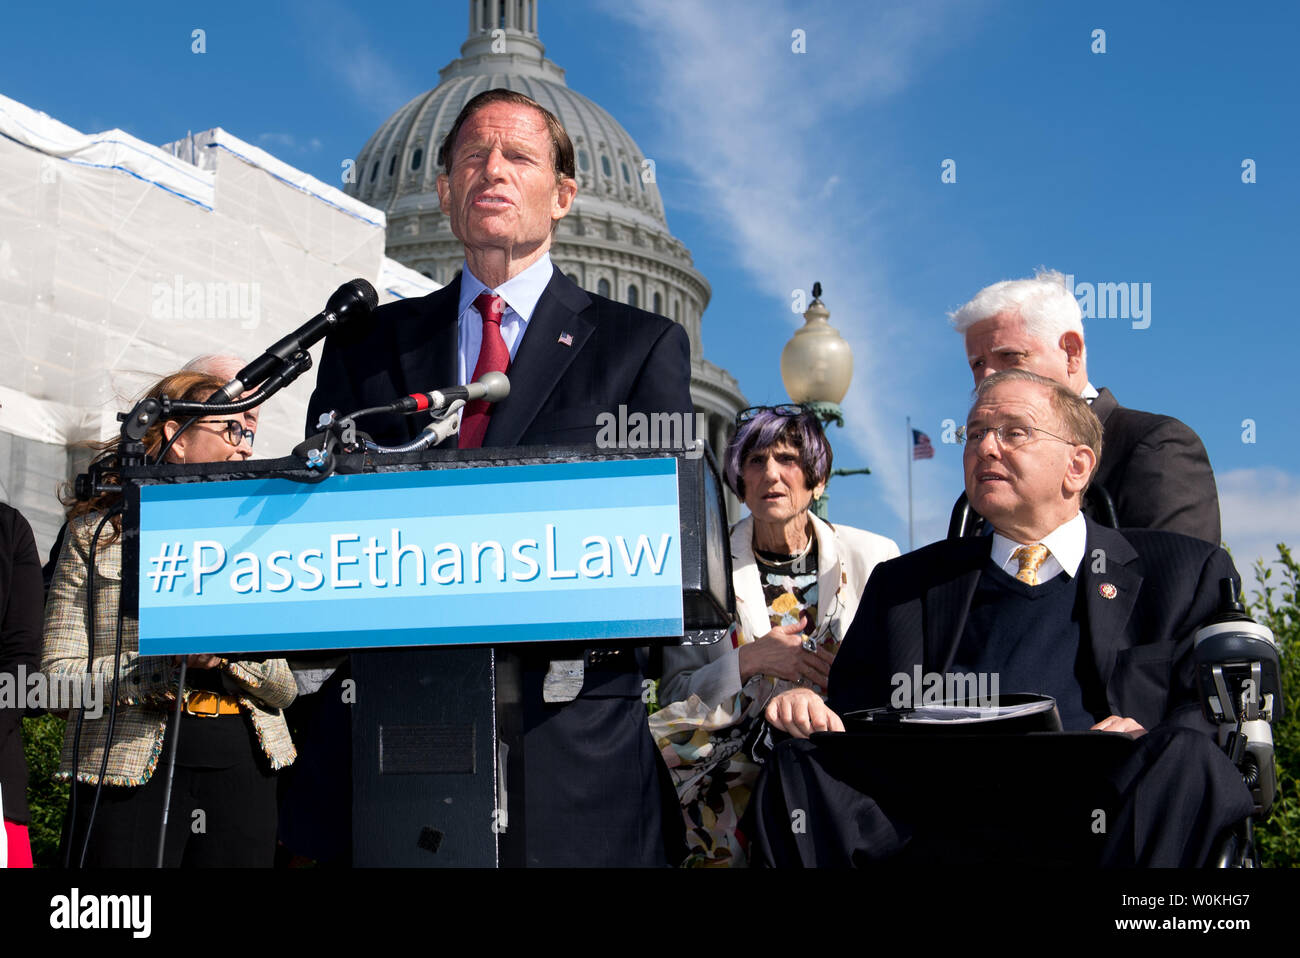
[{"x": 845, "y": 558}]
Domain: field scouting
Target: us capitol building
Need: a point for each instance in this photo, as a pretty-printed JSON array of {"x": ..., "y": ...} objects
[{"x": 615, "y": 242}]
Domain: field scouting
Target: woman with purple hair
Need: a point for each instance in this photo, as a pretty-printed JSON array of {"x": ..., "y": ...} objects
[{"x": 797, "y": 581}]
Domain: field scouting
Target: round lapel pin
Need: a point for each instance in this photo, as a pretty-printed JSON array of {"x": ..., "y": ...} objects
[{"x": 1107, "y": 590}]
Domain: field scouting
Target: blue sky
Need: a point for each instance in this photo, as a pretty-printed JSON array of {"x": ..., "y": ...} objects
[{"x": 780, "y": 168}]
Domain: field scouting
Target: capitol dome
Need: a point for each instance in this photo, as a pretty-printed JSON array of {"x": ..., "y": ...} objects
[{"x": 615, "y": 242}]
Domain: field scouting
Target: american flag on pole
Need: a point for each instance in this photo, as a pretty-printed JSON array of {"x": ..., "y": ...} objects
[{"x": 921, "y": 448}]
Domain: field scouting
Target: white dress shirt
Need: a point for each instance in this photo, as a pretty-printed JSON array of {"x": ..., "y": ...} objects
[{"x": 1065, "y": 544}]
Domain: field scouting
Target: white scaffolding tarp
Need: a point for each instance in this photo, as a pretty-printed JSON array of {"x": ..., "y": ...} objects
[{"x": 120, "y": 261}]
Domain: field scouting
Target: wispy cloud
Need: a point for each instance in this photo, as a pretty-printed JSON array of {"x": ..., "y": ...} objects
[
  {"x": 774, "y": 150},
  {"x": 372, "y": 80},
  {"x": 355, "y": 48},
  {"x": 1259, "y": 508}
]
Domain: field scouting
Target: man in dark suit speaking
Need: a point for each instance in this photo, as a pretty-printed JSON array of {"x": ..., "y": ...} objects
[
  {"x": 1155, "y": 468},
  {"x": 592, "y": 771},
  {"x": 1052, "y": 603}
]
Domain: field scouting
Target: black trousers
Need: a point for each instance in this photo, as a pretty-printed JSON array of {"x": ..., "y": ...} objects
[
  {"x": 222, "y": 811},
  {"x": 315, "y": 792},
  {"x": 597, "y": 792}
]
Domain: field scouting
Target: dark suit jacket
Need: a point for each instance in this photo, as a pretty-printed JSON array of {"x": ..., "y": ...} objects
[
  {"x": 1157, "y": 472},
  {"x": 21, "y": 617},
  {"x": 1140, "y": 642},
  {"x": 619, "y": 355},
  {"x": 595, "y": 787}
]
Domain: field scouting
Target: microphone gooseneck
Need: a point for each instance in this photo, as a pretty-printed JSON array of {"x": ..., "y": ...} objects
[{"x": 350, "y": 303}]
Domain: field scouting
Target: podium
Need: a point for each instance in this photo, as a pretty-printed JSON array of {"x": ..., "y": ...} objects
[{"x": 438, "y": 711}]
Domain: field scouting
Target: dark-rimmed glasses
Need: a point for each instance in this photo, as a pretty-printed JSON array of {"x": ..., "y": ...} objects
[{"x": 235, "y": 431}]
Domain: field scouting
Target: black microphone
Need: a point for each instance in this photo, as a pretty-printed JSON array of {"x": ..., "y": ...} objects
[
  {"x": 491, "y": 386},
  {"x": 349, "y": 303}
]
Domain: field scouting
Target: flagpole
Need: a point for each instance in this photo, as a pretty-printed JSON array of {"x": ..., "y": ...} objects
[{"x": 909, "y": 483}]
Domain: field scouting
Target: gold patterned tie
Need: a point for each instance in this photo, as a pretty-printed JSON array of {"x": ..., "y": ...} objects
[{"x": 1031, "y": 559}]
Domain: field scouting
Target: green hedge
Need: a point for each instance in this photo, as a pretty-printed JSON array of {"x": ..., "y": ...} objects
[
  {"x": 47, "y": 798},
  {"x": 1275, "y": 605}
]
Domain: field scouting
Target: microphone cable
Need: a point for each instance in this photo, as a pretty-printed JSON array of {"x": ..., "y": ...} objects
[
  {"x": 81, "y": 712},
  {"x": 171, "y": 764},
  {"x": 108, "y": 732}
]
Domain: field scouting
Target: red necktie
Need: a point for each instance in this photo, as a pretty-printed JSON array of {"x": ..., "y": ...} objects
[{"x": 493, "y": 355}]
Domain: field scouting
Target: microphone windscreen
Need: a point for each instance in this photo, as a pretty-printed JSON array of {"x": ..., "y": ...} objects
[
  {"x": 368, "y": 293},
  {"x": 351, "y": 300},
  {"x": 496, "y": 384}
]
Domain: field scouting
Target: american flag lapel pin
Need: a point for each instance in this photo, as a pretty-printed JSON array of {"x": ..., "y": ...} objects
[{"x": 566, "y": 339}]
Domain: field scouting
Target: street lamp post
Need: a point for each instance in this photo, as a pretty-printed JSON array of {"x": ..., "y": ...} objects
[{"x": 816, "y": 368}]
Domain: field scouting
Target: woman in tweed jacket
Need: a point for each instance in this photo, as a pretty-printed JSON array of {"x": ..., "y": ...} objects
[{"x": 233, "y": 732}]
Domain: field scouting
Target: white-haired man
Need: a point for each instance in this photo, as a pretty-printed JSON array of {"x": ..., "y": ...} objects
[{"x": 1155, "y": 468}]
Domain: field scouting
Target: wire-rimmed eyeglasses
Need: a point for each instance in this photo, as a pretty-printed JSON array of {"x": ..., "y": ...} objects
[{"x": 1010, "y": 435}]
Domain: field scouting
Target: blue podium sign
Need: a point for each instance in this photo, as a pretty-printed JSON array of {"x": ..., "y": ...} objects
[{"x": 526, "y": 553}]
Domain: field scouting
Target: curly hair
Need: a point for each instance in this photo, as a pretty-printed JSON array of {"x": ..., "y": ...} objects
[{"x": 767, "y": 429}]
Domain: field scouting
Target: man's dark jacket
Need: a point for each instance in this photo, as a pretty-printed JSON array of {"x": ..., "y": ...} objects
[
  {"x": 581, "y": 355},
  {"x": 595, "y": 795},
  {"x": 1145, "y": 593},
  {"x": 1156, "y": 471}
]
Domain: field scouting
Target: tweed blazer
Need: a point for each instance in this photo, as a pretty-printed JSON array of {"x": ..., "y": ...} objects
[{"x": 147, "y": 686}]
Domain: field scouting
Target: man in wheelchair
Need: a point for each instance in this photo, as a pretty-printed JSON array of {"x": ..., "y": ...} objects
[{"x": 1103, "y": 621}]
